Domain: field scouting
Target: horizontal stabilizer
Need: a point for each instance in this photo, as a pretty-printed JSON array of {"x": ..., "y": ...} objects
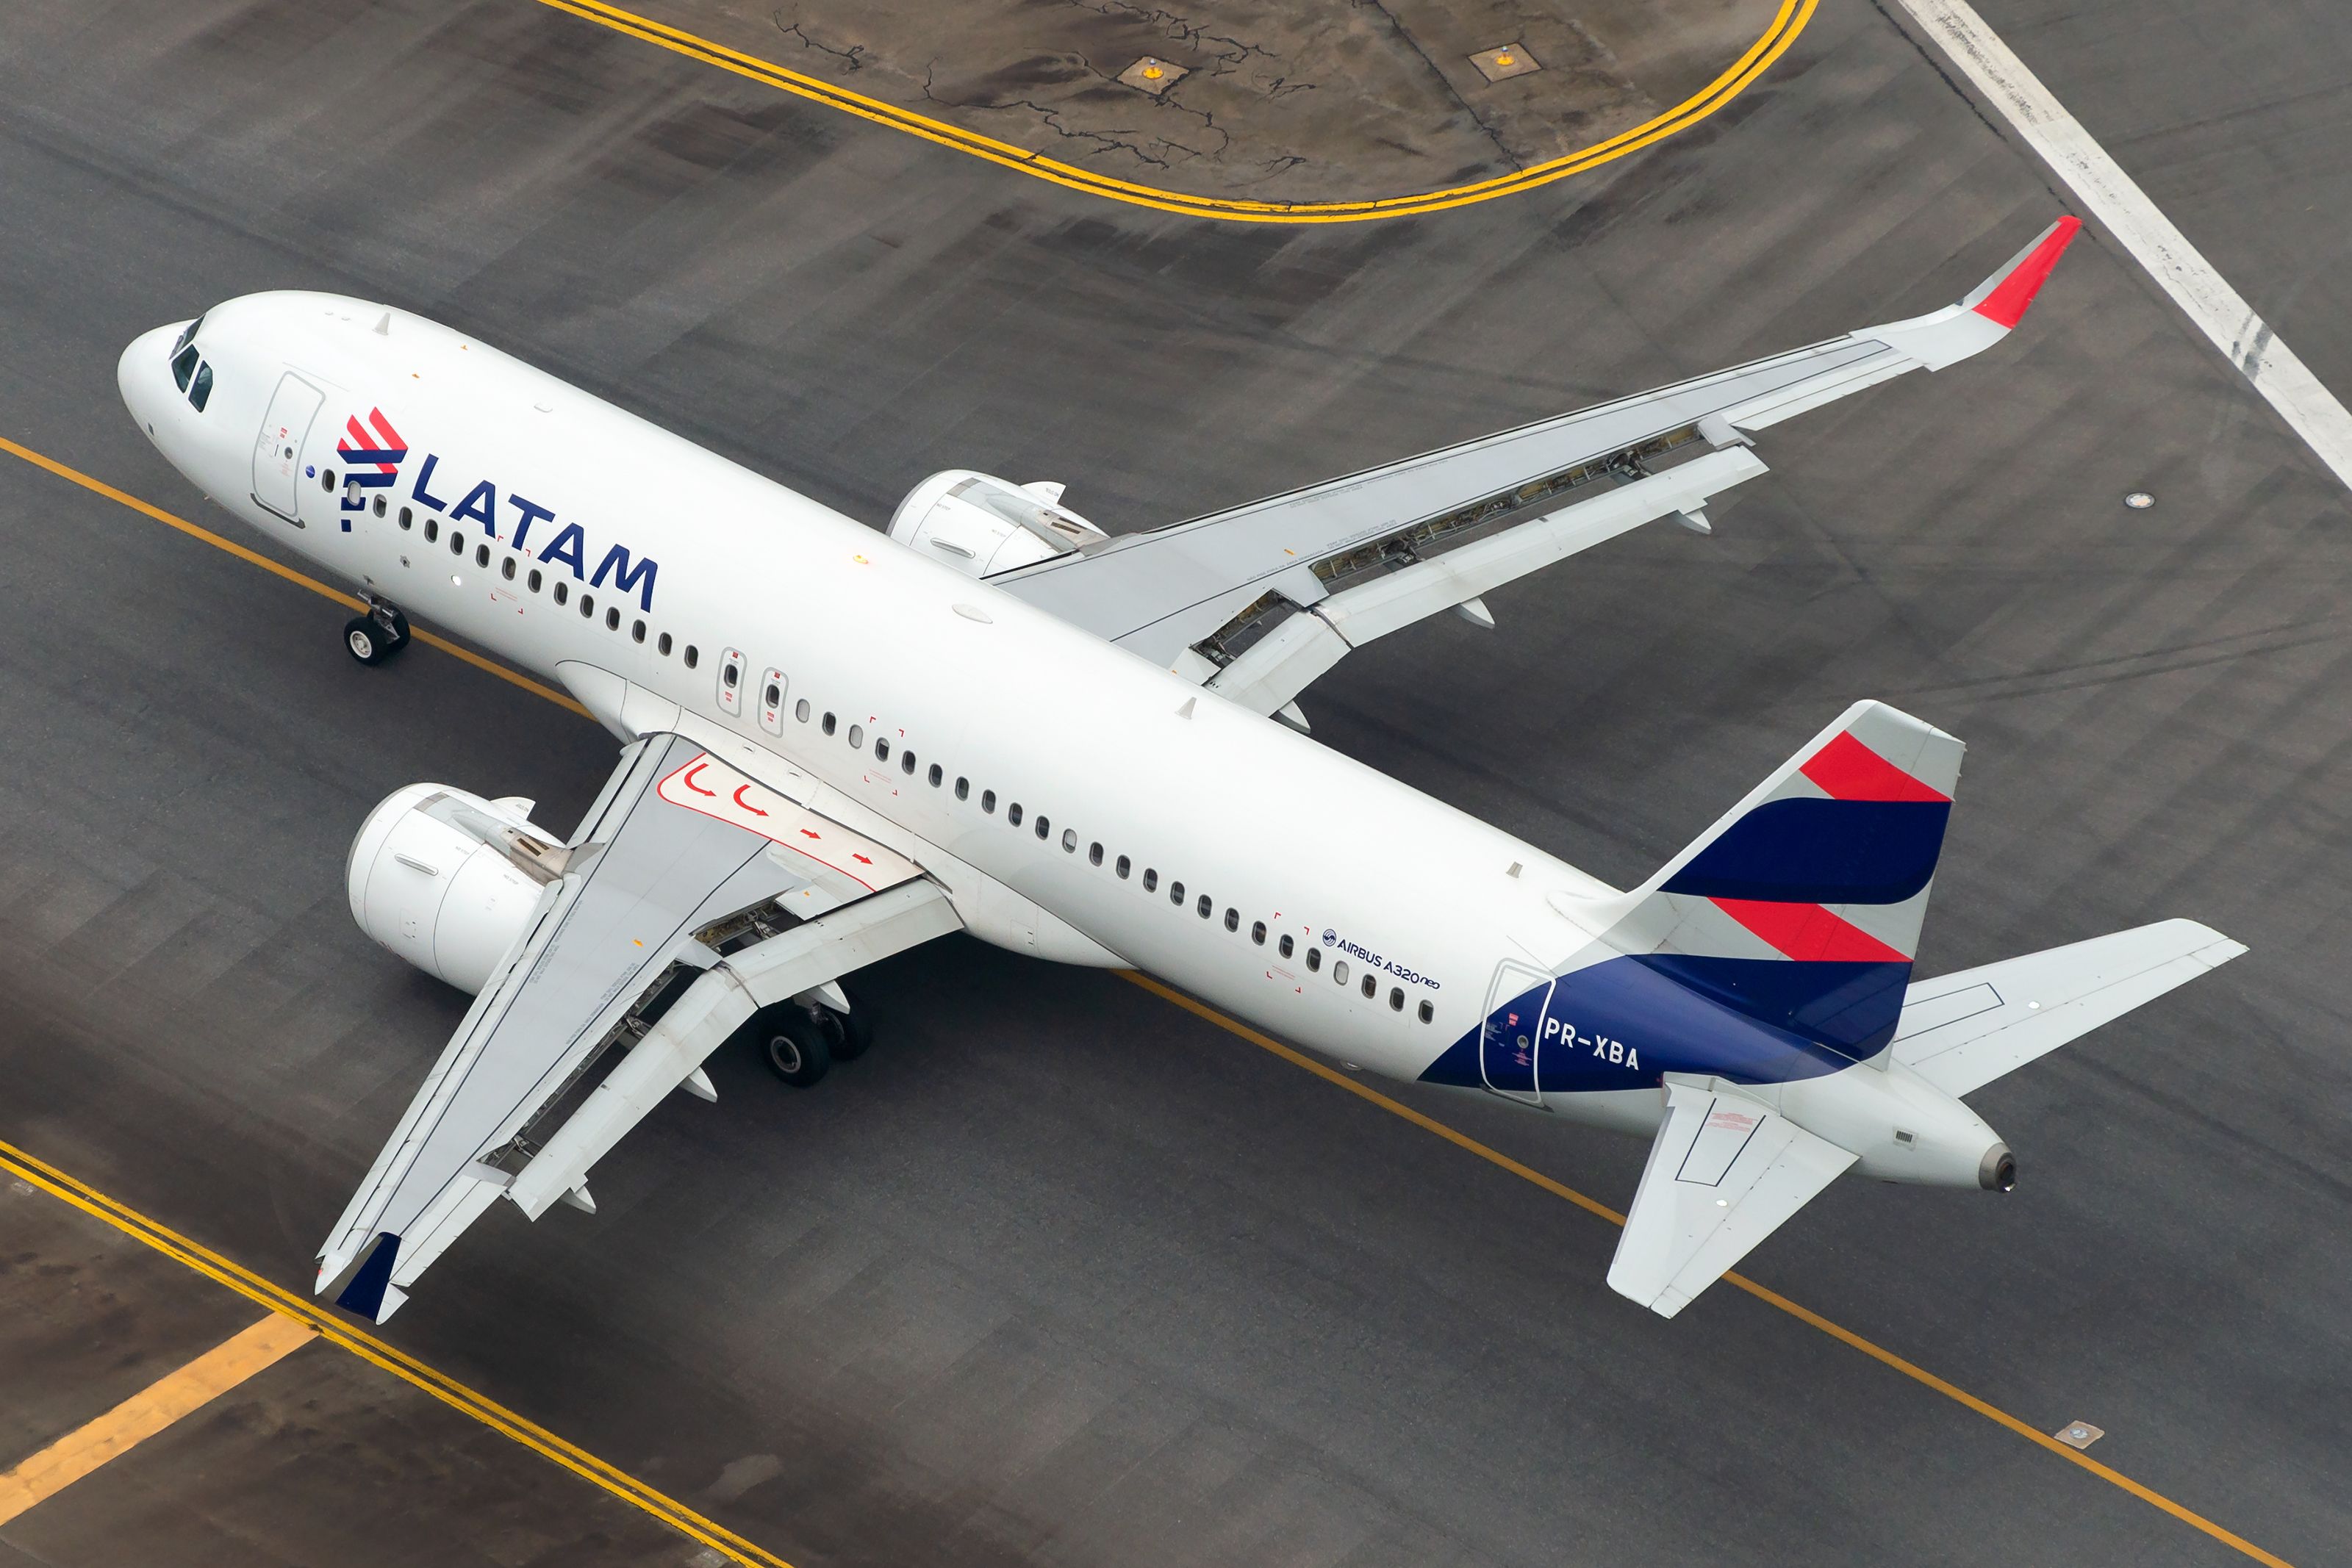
[
  {"x": 1961, "y": 1032},
  {"x": 1725, "y": 1171}
]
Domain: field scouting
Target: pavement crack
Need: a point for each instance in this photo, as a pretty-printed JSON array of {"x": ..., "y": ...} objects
[
  {"x": 1050, "y": 117},
  {"x": 853, "y": 56},
  {"x": 1444, "y": 80}
]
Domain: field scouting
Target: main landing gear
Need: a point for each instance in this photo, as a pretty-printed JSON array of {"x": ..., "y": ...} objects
[
  {"x": 802, "y": 1040},
  {"x": 377, "y": 635}
]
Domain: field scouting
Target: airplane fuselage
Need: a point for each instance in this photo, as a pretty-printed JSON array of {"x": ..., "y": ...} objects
[{"x": 1078, "y": 801}]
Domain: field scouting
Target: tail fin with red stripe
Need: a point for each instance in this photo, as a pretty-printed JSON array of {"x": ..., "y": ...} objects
[{"x": 1801, "y": 907}]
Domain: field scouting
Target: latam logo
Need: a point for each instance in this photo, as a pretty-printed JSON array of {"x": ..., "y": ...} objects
[
  {"x": 373, "y": 454},
  {"x": 381, "y": 454}
]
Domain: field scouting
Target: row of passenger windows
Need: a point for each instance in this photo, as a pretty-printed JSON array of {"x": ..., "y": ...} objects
[
  {"x": 1122, "y": 867},
  {"x": 534, "y": 579}
]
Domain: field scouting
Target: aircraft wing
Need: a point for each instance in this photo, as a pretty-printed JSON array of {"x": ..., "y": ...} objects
[
  {"x": 1313, "y": 572},
  {"x": 1960, "y": 1032},
  {"x": 689, "y": 897},
  {"x": 1725, "y": 1171}
]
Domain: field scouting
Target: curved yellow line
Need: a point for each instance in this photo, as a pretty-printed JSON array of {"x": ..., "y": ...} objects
[{"x": 1786, "y": 23}]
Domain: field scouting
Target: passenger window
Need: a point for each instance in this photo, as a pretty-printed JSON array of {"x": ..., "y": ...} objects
[
  {"x": 456, "y": 544},
  {"x": 534, "y": 582},
  {"x": 587, "y": 605},
  {"x": 1233, "y": 919},
  {"x": 432, "y": 529},
  {"x": 1314, "y": 959},
  {"x": 636, "y": 628},
  {"x": 828, "y": 724},
  {"x": 1284, "y": 945},
  {"x": 380, "y": 504},
  {"x": 906, "y": 763},
  {"x": 481, "y": 555},
  {"x": 1371, "y": 985},
  {"x": 1396, "y": 999},
  {"x": 1070, "y": 844},
  {"x": 1205, "y": 907},
  {"x": 1122, "y": 867},
  {"x": 881, "y": 750},
  {"x": 693, "y": 655},
  {"x": 1176, "y": 893},
  {"x": 507, "y": 568},
  {"x": 1257, "y": 932},
  {"x": 612, "y": 620},
  {"x": 661, "y": 644},
  {"x": 183, "y": 366},
  {"x": 1012, "y": 813},
  {"x": 1150, "y": 879},
  {"x": 408, "y": 517},
  {"x": 1339, "y": 972},
  {"x": 988, "y": 801},
  {"x": 800, "y": 708},
  {"x": 201, "y": 393},
  {"x": 1044, "y": 826},
  {"x": 1427, "y": 1012},
  {"x": 327, "y": 480},
  {"x": 1094, "y": 854},
  {"x": 856, "y": 736},
  {"x": 563, "y": 588},
  {"x": 963, "y": 788},
  {"x": 938, "y": 775},
  {"x": 774, "y": 694},
  {"x": 730, "y": 680}
]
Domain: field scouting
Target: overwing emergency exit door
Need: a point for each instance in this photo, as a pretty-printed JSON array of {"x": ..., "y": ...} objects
[{"x": 278, "y": 449}]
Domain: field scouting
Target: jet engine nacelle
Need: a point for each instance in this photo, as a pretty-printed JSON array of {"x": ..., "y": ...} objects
[
  {"x": 981, "y": 525},
  {"x": 447, "y": 880}
]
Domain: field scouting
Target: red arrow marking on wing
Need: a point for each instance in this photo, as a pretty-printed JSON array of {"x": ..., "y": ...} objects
[
  {"x": 811, "y": 833},
  {"x": 690, "y": 783},
  {"x": 746, "y": 804},
  {"x": 861, "y": 860}
]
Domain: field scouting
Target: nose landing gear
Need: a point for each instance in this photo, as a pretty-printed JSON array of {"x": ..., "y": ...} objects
[
  {"x": 802, "y": 1041},
  {"x": 377, "y": 635}
]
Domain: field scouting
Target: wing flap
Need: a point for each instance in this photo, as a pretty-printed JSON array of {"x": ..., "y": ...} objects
[
  {"x": 1281, "y": 665},
  {"x": 1960, "y": 1032},
  {"x": 1724, "y": 1172}
]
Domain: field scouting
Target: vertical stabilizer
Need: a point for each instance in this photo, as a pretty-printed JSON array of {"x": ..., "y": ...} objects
[{"x": 1801, "y": 906}]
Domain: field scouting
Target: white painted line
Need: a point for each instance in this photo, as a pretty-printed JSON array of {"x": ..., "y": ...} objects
[{"x": 2124, "y": 210}]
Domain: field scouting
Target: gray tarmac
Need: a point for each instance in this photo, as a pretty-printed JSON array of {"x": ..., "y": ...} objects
[{"x": 1060, "y": 1273}]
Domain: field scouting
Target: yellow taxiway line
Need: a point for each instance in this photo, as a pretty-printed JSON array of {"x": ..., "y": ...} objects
[
  {"x": 637, "y": 1492},
  {"x": 254, "y": 1349},
  {"x": 1786, "y": 23}
]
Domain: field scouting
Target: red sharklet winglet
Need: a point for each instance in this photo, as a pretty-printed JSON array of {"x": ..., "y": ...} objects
[{"x": 2002, "y": 299}]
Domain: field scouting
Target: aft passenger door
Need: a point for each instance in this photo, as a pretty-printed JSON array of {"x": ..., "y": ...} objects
[
  {"x": 278, "y": 449},
  {"x": 1511, "y": 1038}
]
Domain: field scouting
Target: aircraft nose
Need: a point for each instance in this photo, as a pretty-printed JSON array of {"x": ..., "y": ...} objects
[{"x": 144, "y": 374}]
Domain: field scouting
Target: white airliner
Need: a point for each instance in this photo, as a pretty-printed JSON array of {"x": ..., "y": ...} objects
[{"x": 996, "y": 719}]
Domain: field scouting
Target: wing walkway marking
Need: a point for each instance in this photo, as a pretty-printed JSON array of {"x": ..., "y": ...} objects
[
  {"x": 251, "y": 1350},
  {"x": 1846, "y": 1336},
  {"x": 321, "y": 1322},
  {"x": 1785, "y": 24},
  {"x": 2116, "y": 201},
  {"x": 555, "y": 1448}
]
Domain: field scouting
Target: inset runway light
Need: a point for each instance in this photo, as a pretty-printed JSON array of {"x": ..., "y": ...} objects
[
  {"x": 1152, "y": 75},
  {"x": 1501, "y": 64},
  {"x": 2079, "y": 1434},
  {"x": 2140, "y": 500}
]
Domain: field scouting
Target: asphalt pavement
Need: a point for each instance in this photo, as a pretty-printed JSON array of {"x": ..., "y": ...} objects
[{"x": 1060, "y": 1273}]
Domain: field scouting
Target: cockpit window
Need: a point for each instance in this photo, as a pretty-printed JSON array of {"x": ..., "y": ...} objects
[
  {"x": 187, "y": 335},
  {"x": 201, "y": 392},
  {"x": 184, "y": 365}
]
